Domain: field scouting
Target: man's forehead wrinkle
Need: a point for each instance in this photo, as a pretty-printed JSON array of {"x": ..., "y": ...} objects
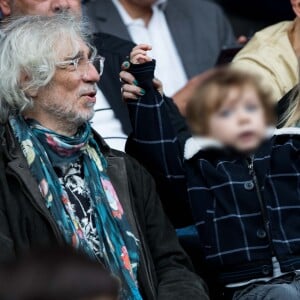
[
  {"x": 71, "y": 48},
  {"x": 86, "y": 52},
  {"x": 76, "y": 55}
]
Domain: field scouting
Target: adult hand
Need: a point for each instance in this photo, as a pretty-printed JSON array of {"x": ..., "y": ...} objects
[
  {"x": 242, "y": 39},
  {"x": 158, "y": 85},
  {"x": 130, "y": 88}
]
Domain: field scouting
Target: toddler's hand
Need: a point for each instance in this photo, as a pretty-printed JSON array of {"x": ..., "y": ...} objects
[{"x": 139, "y": 54}]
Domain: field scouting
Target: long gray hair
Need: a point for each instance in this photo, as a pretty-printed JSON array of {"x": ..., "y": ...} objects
[{"x": 29, "y": 51}]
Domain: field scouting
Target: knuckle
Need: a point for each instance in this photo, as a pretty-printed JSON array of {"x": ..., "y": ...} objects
[{"x": 126, "y": 87}]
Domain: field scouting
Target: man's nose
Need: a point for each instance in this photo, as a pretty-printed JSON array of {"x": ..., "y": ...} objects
[
  {"x": 91, "y": 74},
  {"x": 60, "y": 5}
]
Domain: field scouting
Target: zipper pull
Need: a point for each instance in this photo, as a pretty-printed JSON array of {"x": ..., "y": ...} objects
[{"x": 250, "y": 165}]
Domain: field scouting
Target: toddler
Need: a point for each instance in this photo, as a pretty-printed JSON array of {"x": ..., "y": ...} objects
[{"x": 242, "y": 175}]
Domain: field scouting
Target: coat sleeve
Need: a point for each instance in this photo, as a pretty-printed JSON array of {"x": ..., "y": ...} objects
[
  {"x": 174, "y": 272},
  {"x": 227, "y": 36},
  {"x": 155, "y": 143},
  {"x": 7, "y": 252}
]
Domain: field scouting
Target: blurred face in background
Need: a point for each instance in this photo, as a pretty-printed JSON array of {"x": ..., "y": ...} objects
[
  {"x": 296, "y": 7},
  {"x": 140, "y": 3},
  {"x": 39, "y": 7}
]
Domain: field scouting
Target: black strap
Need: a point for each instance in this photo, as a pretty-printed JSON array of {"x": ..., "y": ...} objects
[{"x": 284, "y": 103}]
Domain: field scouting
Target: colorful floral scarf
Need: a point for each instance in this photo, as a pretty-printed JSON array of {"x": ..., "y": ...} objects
[{"x": 44, "y": 150}]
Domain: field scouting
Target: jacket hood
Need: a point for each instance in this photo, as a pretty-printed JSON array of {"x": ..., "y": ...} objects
[{"x": 196, "y": 143}]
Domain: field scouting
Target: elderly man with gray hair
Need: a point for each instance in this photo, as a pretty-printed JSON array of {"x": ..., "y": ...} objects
[
  {"x": 60, "y": 183},
  {"x": 111, "y": 118}
]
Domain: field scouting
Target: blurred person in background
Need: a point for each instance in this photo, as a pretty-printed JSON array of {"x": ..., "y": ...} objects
[
  {"x": 111, "y": 118},
  {"x": 186, "y": 36},
  {"x": 56, "y": 274},
  {"x": 273, "y": 54},
  {"x": 60, "y": 183}
]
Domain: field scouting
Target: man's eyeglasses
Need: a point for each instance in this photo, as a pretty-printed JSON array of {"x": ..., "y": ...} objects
[{"x": 82, "y": 64}]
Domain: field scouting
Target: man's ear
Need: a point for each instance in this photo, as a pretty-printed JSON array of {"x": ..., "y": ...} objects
[
  {"x": 32, "y": 93},
  {"x": 296, "y": 7},
  {"x": 5, "y": 7},
  {"x": 24, "y": 79}
]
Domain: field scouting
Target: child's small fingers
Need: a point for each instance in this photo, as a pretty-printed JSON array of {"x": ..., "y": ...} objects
[
  {"x": 140, "y": 58},
  {"x": 144, "y": 55},
  {"x": 143, "y": 60},
  {"x": 137, "y": 52},
  {"x": 144, "y": 47}
]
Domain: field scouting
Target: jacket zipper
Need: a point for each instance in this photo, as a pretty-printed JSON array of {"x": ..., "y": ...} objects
[{"x": 261, "y": 202}]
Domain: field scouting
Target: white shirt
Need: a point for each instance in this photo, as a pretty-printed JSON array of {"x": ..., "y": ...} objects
[
  {"x": 106, "y": 123},
  {"x": 169, "y": 67}
]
